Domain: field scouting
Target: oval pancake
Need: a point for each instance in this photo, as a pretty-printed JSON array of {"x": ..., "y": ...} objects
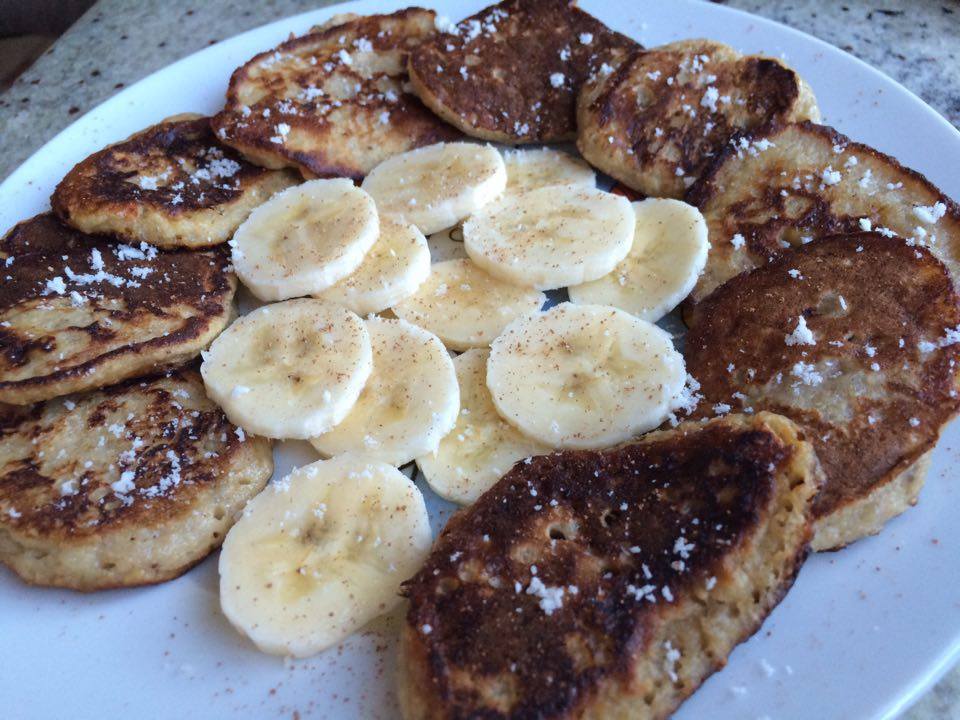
[
  {"x": 608, "y": 584},
  {"x": 873, "y": 390},
  {"x": 171, "y": 185},
  {"x": 333, "y": 102},
  {"x": 783, "y": 186},
  {"x": 79, "y": 312},
  {"x": 511, "y": 72},
  {"x": 129, "y": 485},
  {"x": 656, "y": 121}
]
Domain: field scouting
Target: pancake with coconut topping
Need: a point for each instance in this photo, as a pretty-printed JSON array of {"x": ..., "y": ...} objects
[
  {"x": 129, "y": 485},
  {"x": 171, "y": 185}
]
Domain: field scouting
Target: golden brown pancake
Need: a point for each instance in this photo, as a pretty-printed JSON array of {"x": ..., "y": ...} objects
[
  {"x": 511, "y": 72},
  {"x": 129, "y": 485},
  {"x": 656, "y": 121},
  {"x": 868, "y": 373},
  {"x": 79, "y": 311},
  {"x": 171, "y": 185},
  {"x": 608, "y": 584},
  {"x": 781, "y": 187},
  {"x": 333, "y": 102}
]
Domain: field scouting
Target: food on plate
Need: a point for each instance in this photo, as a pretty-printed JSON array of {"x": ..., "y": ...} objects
[
  {"x": 80, "y": 311},
  {"x": 171, "y": 185},
  {"x": 482, "y": 447},
  {"x": 128, "y": 485},
  {"x": 289, "y": 370},
  {"x": 657, "y": 121},
  {"x": 668, "y": 254},
  {"x": 409, "y": 403},
  {"x": 334, "y": 102},
  {"x": 437, "y": 186},
  {"x": 305, "y": 239},
  {"x": 584, "y": 376},
  {"x": 778, "y": 189},
  {"x": 855, "y": 338},
  {"x": 447, "y": 245},
  {"x": 322, "y": 552},
  {"x": 511, "y": 72},
  {"x": 465, "y": 307},
  {"x": 608, "y": 584},
  {"x": 532, "y": 168},
  {"x": 392, "y": 270},
  {"x": 551, "y": 237}
]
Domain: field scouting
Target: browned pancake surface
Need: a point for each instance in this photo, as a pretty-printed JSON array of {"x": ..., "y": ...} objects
[
  {"x": 172, "y": 184},
  {"x": 783, "y": 186},
  {"x": 333, "y": 102},
  {"x": 657, "y": 120},
  {"x": 125, "y": 485},
  {"x": 874, "y": 390},
  {"x": 511, "y": 72},
  {"x": 547, "y": 595},
  {"x": 78, "y": 311}
]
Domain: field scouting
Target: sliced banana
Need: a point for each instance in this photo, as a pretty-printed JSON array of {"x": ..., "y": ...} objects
[
  {"x": 437, "y": 186},
  {"x": 321, "y": 553},
  {"x": 409, "y": 403},
  {"x": 482, "y": 446},
  {"x": 289, "y": 370},
  {"x": 392, "y": 270},
  {"x": 669, "y": 252},
  {"x": 543, "y": 167},
  {"x": 447, "y": 245},
  {"x": 584, "y": 376},
  {"x": 551, "y": 237},
  {"x": 305, "y": 239},
  {"x": 464, "y": 306}
]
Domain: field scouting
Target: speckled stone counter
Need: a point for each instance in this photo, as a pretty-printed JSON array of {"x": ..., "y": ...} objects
[{"x": 118, "y": 42}]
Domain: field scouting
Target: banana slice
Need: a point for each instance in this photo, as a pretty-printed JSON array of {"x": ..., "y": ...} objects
[
  {"x": 437, "y": 186},
  {"x": 464, "y": 306},
  {"x": 584, "y": 376},
  {"x": 447, "y": 245},
  {"x": 551, "y": 237},
  {"x": 289, "y": 370},
  {"x": 321, "y": 553},
  {"x": 393, "y": 269},
  {"x": 669, "y": 252},
  {"x": 482, "y": 446},
  {"x": 409, "y": 403},
  {"x": 305, "y": 239},
  {"x": 543, "y": 167}
]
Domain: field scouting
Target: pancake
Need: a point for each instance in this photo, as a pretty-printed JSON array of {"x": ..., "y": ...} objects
[
  {"x": 171, "y": 185},
  {"x": 780, "y": 187},
  {"x": 333, "y": 102},
  {"x": 871, "y": 393},
  {"x": 129, "y": 485},
  {"x": 608, "y": 584},
  {"x": 80, "y": 311},
  {"x": 656, "y": 122},
  {"x": 511, "y": 72}
]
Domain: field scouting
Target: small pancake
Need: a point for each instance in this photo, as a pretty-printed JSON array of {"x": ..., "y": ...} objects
[
  {"x": 608, "y": 584},
  {"x": 171, "y": 185},
  {"x": 656, "y": 122},
  {"x": 780, "y": 187},
  {"x": 873, "y": 391},
  {"x": 79, "y": 312},
  {"x": 511, "y": 72},
  {"x": 129, "y": 485},
  {"x": 333, "y": 102}
]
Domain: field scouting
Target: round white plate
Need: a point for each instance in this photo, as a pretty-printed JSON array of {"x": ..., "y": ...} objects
[{"x": 862, "y": 633}]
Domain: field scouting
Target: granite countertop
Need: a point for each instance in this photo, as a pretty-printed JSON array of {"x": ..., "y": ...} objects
[{"x": 118, "y": 42}]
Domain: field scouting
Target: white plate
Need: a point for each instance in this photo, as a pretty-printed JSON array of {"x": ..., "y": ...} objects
[{"x": 862, "y": 633}]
